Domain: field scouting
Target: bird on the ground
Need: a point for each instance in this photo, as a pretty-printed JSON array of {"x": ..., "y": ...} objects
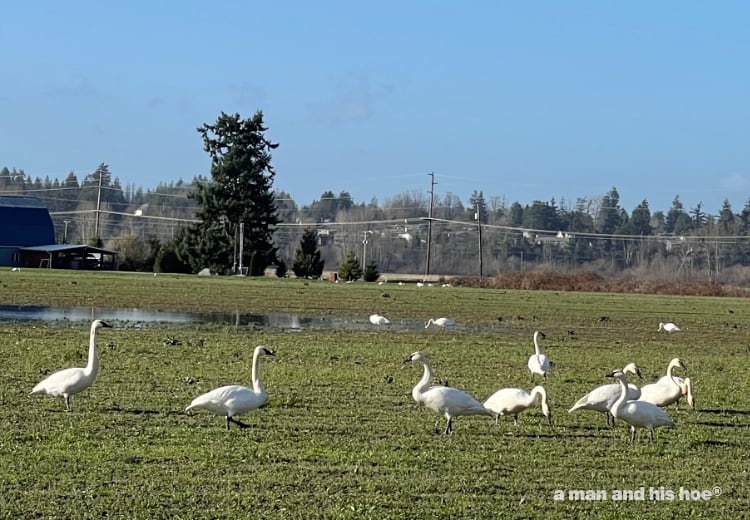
[
  {"x": 441, "y": 323},
  {"x": 70, "y": 381},
  {"x": 669, "y": 389},
  {"x": 513, "y": 401},
  {"x": 603, "y": 397},
  {"x": 538, "y": 363},
  {"x": 377, "y": 319},
  {"x": 232, "y": 400},
  {"x": 445, "y": 400},
  {"x": 638, "y": 414},
  {"x": 668, "y": 327}
]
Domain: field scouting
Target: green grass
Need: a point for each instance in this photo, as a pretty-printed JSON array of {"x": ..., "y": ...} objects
[{"x": 341, "y": 436}]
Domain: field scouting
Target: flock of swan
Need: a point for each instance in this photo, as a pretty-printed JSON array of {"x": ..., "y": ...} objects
[{"x": 638, "y": 407}]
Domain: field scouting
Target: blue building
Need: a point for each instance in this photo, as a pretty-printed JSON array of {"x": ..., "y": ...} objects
[{"x": 27, "y": 239}]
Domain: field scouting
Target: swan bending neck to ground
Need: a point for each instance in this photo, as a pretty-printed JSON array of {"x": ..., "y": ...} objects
[
  {"x": 233, "y": 400},
  {"x": 538, "y": 363},
  {"x": 70, "y": 381},
  {"x": 668, "y": 327},
  {"x": 668, "y": 389},
  {"x": 638, "y": 414},
  {"x": 440, "y": 322},
  {"x": 513, "y": 401},
  {"x": 377, "y": 319},
  {"x": 447, "y": 401},
  {"x": 603, "y": 397}
]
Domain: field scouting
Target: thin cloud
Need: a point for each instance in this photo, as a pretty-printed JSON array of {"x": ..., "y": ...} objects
[
  {"x": 77, "y": 87},
  {"x": 355, "y": 102},
  {"x": 734, "y": 182}
]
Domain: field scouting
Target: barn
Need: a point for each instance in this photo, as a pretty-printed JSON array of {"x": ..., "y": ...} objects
[{"x": 27, "y": 239}]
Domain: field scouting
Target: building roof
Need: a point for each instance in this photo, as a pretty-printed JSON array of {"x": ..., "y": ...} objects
[
  {"x": 24, "y": 221},
  {"x": 59, "y": 248}
]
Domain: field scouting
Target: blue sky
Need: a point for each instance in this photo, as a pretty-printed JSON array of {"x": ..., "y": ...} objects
[{"x": 524, "y": 100}]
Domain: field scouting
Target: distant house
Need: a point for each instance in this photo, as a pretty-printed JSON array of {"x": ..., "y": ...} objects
[{"x": 27, "y": 239}]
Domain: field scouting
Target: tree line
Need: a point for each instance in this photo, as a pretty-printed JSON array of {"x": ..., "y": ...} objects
[{"x": 235, "y": 220}]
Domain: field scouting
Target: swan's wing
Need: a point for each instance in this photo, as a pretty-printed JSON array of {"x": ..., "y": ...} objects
[
  {"x": 600, "y": 398},
  {"x": 67, "y": 380},
  {"x": 229, "y": 400},
  {"x": 453, "y": 401},
  {"x": 642, "y": 413},
  {"x": 505, "y": 400}
]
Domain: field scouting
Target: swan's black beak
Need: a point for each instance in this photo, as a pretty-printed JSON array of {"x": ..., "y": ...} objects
[
  {"x": 638, "y": 373},
  {"x": 542, "y": 334},
  {"x": 407, "y": 360},
  {"x": 611, "y": 374},
  {"x": 107, "y": 325},
  {"x": 269, "y": 352}
]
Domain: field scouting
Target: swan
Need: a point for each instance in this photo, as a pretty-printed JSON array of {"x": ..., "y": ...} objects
[
  {"x": 669, "y": 327},
  {"x": 233, "y": 400},
  {"x": 638, "y": 414},
  {"x": 667, "y": 390},
  {"x": 448, "y": 401},
  {"x": 513, "y": 401},
  {"x": 687, "y": 390},
  {"x": 70, "y": 381},
  {"x": 440, "y": 322},
  {"x": 603, "y": 397},
  {"x": 538, "y": 362},
  {"x": 377, "y": 319}
]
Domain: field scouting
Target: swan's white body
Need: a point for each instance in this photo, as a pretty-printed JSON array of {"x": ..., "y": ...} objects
[
  {"x": 70, "y": 381},
  {"x": 377, "y": 319},
  {"x": 669, "y": 388},
  {"x": 603, "y": 397},
  {"x": 669, "y": 327},
  {"x": 440, "y": 322},
  {"x": 538, "y": 362},
  {"x": 445, "y": 400},
  {"x": 638, "y": 414},
  {"x": 233, "y": 400},
  {"x": 513, "y": 401}
]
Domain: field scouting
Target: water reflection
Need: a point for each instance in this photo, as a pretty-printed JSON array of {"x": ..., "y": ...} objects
[{"x": 142, "y": 318}]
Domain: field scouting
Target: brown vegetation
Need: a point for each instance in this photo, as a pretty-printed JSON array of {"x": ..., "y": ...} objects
[{"x": 592, "y": 282}]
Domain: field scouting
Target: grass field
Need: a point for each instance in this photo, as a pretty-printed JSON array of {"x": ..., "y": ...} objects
[{"x": 341, "y": 436}]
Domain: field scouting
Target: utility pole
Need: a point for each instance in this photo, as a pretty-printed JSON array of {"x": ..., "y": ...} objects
[
  {"x": 242, "y": 244},
  {"x": 98, "y": 202},
  {"x": 364, "y": 249},
  {"x": 479, "y": 226},
  {"x": 429, "y": 226},
  {"x": 65, "y": 235}
]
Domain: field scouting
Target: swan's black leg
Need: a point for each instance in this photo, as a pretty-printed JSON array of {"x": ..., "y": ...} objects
[
  {"x": 237, "y": 422},
  {"x": 227, "y": 422},
  {"x": 651, "y": 434},
  {"x": 515, "y": 420},
  {"x": 449, "y": 427},
  {"x": 67, "y": 402},
  {"x": 632, "y": 434}
]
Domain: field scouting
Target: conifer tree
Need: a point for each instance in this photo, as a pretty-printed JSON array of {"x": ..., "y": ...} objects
[{"x": 307, "y": 262}]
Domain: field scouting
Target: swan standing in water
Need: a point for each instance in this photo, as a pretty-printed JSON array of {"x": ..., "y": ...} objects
[
  {"x": 445, "y": 400},
  {"x": 70, "y": 381},
  {"x": 440, "y": 322},
  {"x": 638, "y": 414},
  {"x": 513, "y": 401},
  {"x": 377, "y": 319},
  {"x": 603, "y": 397},
  {"x": 669, "y": 327},
  {"x": 669, "y": 388},
  {"x": 538, "y": 362},
  {"x": 233, "y": 400}
]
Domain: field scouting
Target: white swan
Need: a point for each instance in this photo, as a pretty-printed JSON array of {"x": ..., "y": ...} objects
[
  {"x": 513, "y": 401},
  {"x": 687, "y": 390},
  {"x": 538, "y": 362},
  {"x": 668, "y": 327},
  {"x": 603, "y": 397},
  {"x": 445, "y": 400},
  {"x": 440, "y": 322},
  {"x": 638, "y": 414},
  {"x": 70, "y": 381},
  {"x": 377, "y": 319},
  {"x": 233, "y": 400},
  {"x": 667, "y": 390}
]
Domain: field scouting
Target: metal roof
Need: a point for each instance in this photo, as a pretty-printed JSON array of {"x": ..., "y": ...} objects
[{"x": 57, "y": 248}]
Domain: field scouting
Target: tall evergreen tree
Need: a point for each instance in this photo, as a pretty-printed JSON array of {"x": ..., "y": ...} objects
[
  {"x": 477, "y": 202},
  {"x": 640, "y": 220},
  {"x": 239, "y": 192},
  {"x": 307, "y": 262}
]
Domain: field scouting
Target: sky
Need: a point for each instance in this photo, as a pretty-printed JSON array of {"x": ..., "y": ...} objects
[{"x": 523, "y": 100}]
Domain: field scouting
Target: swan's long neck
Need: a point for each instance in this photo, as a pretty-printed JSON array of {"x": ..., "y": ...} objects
[
  {"x": 540, "y": 393},
  {"x": 424, "y": 383},
  {"x": 257, "y": 385},
  {"x": 536, "y": 345},
  {"x": 670, "y": 369},
  {"x": 623, "y": 396},
  {"x": 92, "y": 367}
]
